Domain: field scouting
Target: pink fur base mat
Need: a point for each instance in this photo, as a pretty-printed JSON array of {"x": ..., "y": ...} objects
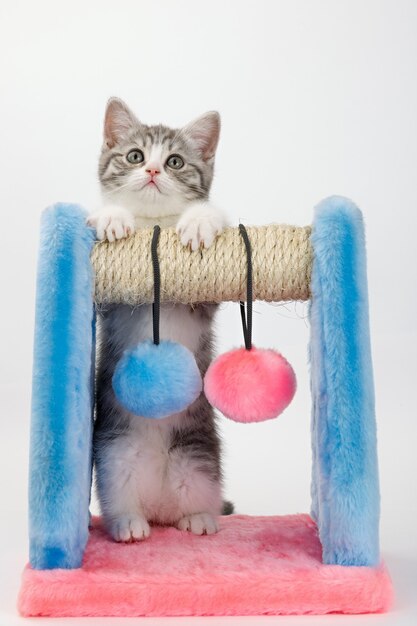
[{"x": 253, "y": 566}]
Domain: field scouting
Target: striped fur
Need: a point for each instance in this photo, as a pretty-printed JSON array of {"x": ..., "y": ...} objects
[{"x": 156, "y": 471}]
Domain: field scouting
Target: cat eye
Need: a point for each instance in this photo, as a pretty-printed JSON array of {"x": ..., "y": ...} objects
[
  {"x": 175, "y": 162},
  {"x": 135, "y": 156}
]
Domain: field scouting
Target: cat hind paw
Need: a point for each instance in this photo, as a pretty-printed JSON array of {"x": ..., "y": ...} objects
[
  {"x": 128, "y": 529},
  {"x": 199, "y": 524}
]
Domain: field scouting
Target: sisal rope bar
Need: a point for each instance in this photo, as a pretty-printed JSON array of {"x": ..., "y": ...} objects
[{"x": 281, "y": 257}]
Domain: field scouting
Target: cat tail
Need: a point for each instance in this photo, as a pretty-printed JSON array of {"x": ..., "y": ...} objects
[{"x": 228, "y": 507}]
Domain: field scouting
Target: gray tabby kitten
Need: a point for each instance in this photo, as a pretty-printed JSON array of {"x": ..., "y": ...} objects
[{"x": 162, "y": 471}]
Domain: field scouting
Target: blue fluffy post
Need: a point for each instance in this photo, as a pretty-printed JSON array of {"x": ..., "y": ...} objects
[
  {"x": 62, "y": 397},
  {"x": 345, "y": 487}
]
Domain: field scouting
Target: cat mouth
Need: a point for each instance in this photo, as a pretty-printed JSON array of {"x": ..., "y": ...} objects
[{"x": 152, "y": 184}]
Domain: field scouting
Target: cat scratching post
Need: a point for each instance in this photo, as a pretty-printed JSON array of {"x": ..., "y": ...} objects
[
  {"x": 281, "y": 255},
  {"x": 328, "y": 562}
]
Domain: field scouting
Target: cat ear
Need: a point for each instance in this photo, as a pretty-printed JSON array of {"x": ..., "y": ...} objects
[
  {"x": 118, "y": 120},
  {"x": 204, "y": 133}
]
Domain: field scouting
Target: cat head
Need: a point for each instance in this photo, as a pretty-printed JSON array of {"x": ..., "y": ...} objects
[{"x": 156, "y": 170}]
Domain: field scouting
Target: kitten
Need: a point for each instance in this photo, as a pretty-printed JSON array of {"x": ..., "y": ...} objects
[{"x": 163, "y": 471}]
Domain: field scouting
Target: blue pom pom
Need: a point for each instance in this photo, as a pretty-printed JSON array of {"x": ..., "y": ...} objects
[{"x": 157, "y": 380}]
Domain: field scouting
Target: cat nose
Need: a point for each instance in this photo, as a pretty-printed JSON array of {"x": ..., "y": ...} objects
[{"x": 152, "y": 170}]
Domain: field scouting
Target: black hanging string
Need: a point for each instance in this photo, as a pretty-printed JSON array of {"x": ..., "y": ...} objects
[
  {"x": 156, "y": 307},
  {"x": 247, "y": 318}
]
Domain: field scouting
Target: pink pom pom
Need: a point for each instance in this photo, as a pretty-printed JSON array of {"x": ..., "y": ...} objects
[{"x": 250, "y": 385}]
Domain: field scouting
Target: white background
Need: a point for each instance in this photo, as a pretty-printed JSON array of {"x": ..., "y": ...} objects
[{"x": 316, "y": 97}]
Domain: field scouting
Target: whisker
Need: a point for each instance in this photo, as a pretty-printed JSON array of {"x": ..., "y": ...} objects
[{"x": 111, "y": 191}]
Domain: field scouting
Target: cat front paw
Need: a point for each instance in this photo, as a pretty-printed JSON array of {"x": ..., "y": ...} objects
[
  {"x": 111, "y": 223},
  {"x": 199, "y": 225},
  {"x": 129, "y": 528},
  {"x": 199, "y": 524}
]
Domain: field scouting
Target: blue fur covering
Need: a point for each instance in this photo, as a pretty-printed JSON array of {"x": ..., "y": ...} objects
[
  {"x": 157, "y": 381},
  {"x": 61, "y": 426},
  {"x": 345, "y": 488},
  {"x": 345, "y": 475}
]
